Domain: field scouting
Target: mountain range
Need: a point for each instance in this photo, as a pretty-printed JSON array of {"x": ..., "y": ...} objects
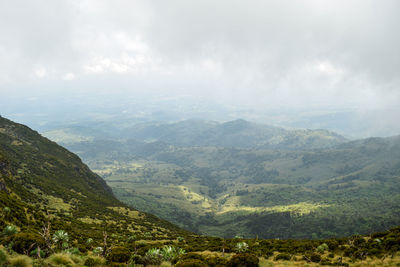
[{"x": 244, "y": 179}]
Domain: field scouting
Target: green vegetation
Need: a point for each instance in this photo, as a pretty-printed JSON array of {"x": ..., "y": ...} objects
[
  {"x": 56, "y": 212},
  {"x": 44, "y": 187},
  {"x": 350, "y": 189}
]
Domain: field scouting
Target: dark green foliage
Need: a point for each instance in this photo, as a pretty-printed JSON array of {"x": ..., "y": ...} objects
[
  {"x": 191, "y": 263},
  {"x": 3, "y": 257},
  {"x": 41, "y": 181},
  {"x": 24, "y": 243},
  {"x": 90, "y": 262},
  {"x": 357, "y": 181},
  {"x": 216, "y": 261},
  {"x": 283, "y": 256},
  {"x": 119, "y": 254},
  {"x": 243, "y": 259},
  {"x": 314, "y": 257},
  {"x": 135, "y": 259}
]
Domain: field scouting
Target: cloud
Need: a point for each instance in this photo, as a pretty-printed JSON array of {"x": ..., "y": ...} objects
[{"x": 262, "y": 54}]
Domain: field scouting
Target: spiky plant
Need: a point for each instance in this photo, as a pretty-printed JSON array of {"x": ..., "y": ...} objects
[
  {"x": 241, "y": 247},
  {"x": 169, "y": 252},
  {"x": 60, "y": 238},
  {"x": 10, "y": 230}
]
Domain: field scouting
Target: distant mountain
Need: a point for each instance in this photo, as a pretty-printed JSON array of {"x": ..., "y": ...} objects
[
  {"x": 41, "y": 181},
  {"x": 238, "y": 133}
]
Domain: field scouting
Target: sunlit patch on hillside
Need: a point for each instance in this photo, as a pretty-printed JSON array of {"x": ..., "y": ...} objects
[{"x": 298, "y": 209}]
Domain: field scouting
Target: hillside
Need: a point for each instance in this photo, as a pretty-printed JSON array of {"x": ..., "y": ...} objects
[
  {"x": 42, "y": 182},
  {"x": 224, "y": 190},
  {"x": 238, "y": 133}
]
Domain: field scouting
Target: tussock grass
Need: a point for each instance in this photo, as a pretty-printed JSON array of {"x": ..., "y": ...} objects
[
  {"x": 21, "y": 261},
  {"x": 64, "y": 259}
]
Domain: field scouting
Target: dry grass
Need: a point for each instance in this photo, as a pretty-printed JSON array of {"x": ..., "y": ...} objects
[{"x": 21, "y": 261}]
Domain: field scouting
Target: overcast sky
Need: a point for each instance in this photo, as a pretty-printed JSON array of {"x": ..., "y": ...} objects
[{"x": 281, "y": 54}]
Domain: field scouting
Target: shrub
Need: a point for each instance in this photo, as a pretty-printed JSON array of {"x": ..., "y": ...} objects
[
  {"x": 322, "y": 248},
  {"x": 313, "y": 257},
  {"x": 98, "y": 251},
  {"x": 283, "y": 256},
  {"x": 119, "y": 254},
  {"x": 216, "y": 261},
  {"x": 168, "y": 253},
  {"x": 21, "y": 261},
  {"x": 36, "y": 253},
  {"x": 23, "y": 243},
  {"x": 165, "y": 264},
  {"x": 60, "y": 259},
  {"x": 74, "y": 251},
  {"x": 60, "y": 238},
  {"x": 93, "y": 261},
  {"x": 152, "y": 257},
  {"x": 135, "y": 259},
  {"x": 241, "y": 247},
  {"x": 190, "y": 255},
  {"x": 3, "y": 257},
  {"x": 191, "y": 263},
  {"x": 243, "y": 259},
  {"x": 9, "y": 230}
]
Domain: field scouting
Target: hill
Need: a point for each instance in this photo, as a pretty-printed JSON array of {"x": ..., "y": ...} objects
[
  {"x": 238, "y": 133},
  {"x": 42, "y": 182},
  {"x": 233, "y": 188}
]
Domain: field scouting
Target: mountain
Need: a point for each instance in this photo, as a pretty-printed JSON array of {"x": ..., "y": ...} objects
[
  {"x": 228, "y": 179},
  {"x": 42, "y": 182},
  {"x": 238, "y": 133}
]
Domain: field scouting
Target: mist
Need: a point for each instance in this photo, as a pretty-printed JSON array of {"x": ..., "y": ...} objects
[{"x": 305, "y": 64}]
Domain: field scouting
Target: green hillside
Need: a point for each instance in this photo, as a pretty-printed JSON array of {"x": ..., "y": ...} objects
[
  {"x": 228, "y": 190},
  {"x": 237, "y": 133},
  {"x": 42, "y": 182},
  {"x": 56, "y": 212}
]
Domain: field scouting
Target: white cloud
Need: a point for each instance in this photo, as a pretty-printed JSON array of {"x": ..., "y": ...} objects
[
  {"x": 256, "y": 53},
  {"x": 40, "y": 72},
  {"x": 68, "y": 76}
]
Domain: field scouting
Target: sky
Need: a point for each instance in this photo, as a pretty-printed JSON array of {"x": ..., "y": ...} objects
[{"x": 309, "y": 55}]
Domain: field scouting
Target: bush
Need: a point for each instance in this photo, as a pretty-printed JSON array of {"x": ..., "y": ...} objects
[
  {"x": 93, "y": 261},
  {"x": 21, "y": 261},
  {"x": 3, "y": 257},
  {"x": 190, "y": 255},
  {"x": 119, "y": 254},
  {"x": 165, "y": 264},
  {"x": 313, "y": 257},
  {"x": 169, "y": 253},
  {"x": 191, "y": 263},
  {"x": 216, "y": 261},
  {"x": 283, "y": 256},
  {"x": 9, "y": 230},
  {"x": 243, "y": 259},
  {"x": 241, "y": 247},
  {"x": 23, "y": 243},
  {"x": 322, "y": 248},
  {"x": 60, "y": 259},
  {"x": 152, "y": 257}
]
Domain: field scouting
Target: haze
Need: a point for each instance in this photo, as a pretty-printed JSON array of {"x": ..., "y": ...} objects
[{"x": 307, "y": 64}]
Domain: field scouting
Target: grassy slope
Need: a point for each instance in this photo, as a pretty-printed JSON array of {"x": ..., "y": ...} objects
[{"x": 42, "y": 181}]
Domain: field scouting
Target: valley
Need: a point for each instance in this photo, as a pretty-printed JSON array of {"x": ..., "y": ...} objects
[
  {"x": 56, "y": 212},
  {"x": 300, "y": 188}
]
